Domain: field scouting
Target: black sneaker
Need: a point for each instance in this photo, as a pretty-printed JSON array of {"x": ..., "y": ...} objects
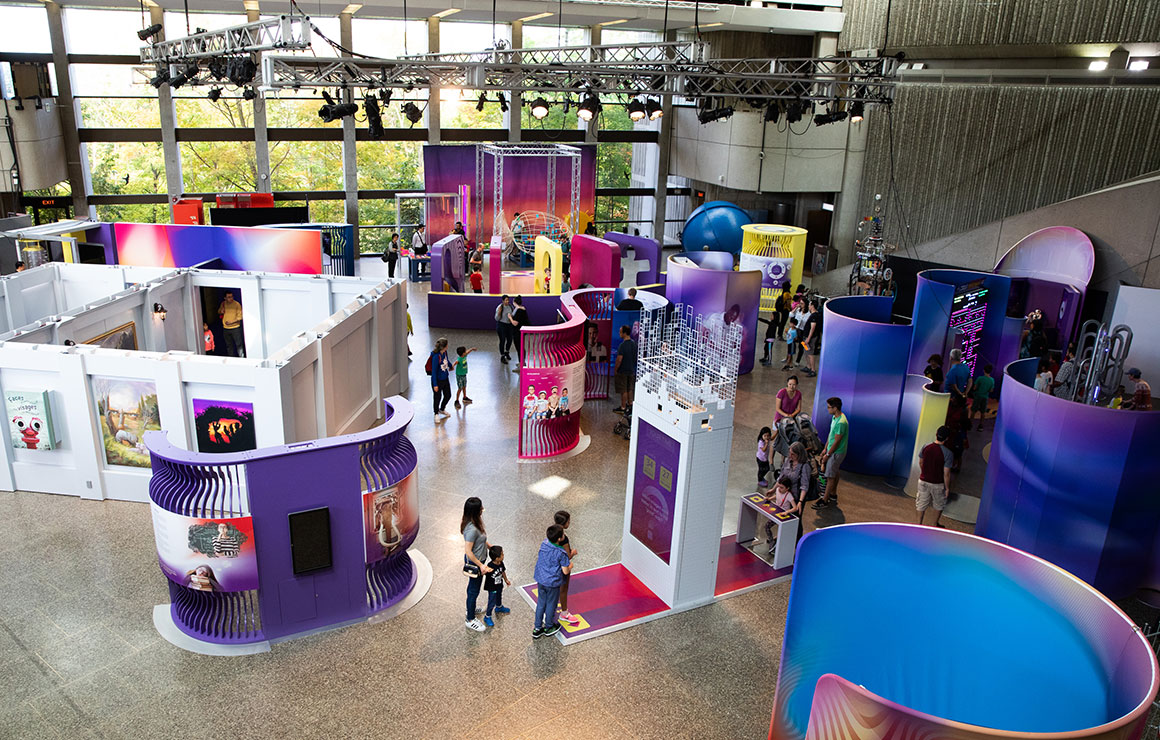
[
  {"x": 821, "y": 504},
  {"x": 537, "y": 633},
  {"x": 551, "y": 629}
]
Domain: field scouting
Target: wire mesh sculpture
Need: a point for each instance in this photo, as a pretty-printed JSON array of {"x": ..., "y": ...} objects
[{"x": 687, "y": 361}]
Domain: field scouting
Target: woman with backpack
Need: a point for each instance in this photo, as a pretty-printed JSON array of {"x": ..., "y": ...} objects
[
  {"x": 439, "y": 368},
  {"x": 798, "y": 469},
  {"x": 391, "y": 255}
]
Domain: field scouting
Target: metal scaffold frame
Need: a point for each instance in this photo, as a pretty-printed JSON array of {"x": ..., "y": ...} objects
[
  {"x": 500, "y": 152},
  {"x": 283, "y": 32}
]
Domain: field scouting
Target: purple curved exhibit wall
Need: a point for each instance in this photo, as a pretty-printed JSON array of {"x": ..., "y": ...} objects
[
  {"x": 1044, "y": 656},
  {"x": 552, "y": 383},
  {"x": 643, "y": 249},
  {"x": 264, "y": 545},
  {"x": 707, "y": 283},
  {"x": 1075, "y": 485},
  {"x": 595, "y": 262},
  {"x": 863, "y": 362},
  {"x": 967, "y": 310},
  {"x": 448, "y": 259}
]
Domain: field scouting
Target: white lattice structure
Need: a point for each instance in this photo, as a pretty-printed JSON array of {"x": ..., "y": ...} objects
[
  {"x": 685, "y": 391},
  {"x": 688, "y": 363}
]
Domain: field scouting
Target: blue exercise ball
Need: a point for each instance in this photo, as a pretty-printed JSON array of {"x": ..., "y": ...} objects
[{"x": 715, "y": 227}]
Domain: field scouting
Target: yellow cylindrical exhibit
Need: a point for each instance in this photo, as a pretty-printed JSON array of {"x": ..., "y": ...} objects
[{"x": 778, "y": 252}]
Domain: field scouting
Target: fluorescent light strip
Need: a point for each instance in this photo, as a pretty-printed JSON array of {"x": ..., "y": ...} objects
[
  {"x": 351, "y": 9},
  {"x": 708, "y": 25},
  {"x": 614, "y": 23},
  {"x": 445, "y": 13},
  {"x": 1137, "y": 65},
  {"x": 535, "y": 17},
  {"x": 1099, "y": 65}
]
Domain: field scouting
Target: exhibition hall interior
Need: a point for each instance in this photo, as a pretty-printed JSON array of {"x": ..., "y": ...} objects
[{"x": 586, "y": 369}]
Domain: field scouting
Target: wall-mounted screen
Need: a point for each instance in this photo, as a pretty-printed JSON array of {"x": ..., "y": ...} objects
[
  {"x": 968, "y": 312},
  {"x": 310, "y": 540}
]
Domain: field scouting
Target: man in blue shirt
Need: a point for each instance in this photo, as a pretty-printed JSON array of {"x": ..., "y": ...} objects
[
  {"x": 958, "y": 378},
  {"x": 551, "y": 567}
]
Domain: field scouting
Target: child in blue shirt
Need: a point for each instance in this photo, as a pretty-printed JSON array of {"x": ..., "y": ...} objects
[
  {"x": 551, "y": 567},
  {"x": 791, "y": 335}
]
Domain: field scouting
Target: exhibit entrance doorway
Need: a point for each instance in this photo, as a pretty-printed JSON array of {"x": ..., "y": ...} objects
[{"x": 224, "y": 343}]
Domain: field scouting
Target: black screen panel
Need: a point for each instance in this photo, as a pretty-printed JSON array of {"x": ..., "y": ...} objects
[{"x": 310, "y": 540}]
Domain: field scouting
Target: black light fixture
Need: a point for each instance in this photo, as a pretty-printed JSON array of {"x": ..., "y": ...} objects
[
  {"x": 503, "y": 104},
  {"x": 636, "y": 110},
  {"x": 857, "y": 111},
  {"x": 146, "y": 33},
  {"x": 653, "y": 107},
  {"x": 589, "y": 107},
  {"x": 709, "y": 115},
  {"x": 482, "y": 102},
  {"x": 793, "y": 112},
  {"x": 249, "y": 94},
  {"x": 385, "y": 96},
  {"x": 412, "y": 112},
  {"x": 539, "y": 109},
  {"x": 772, "y": 113},
  {"x": 241, "y": 70},
  {"x": 214, "y": 94},
  {"x": 374, "y": 117},
  {"x": 217, "y": 68},
  {"x": 160, "y": 78},
  {"x": 184, "y": 76},
  {"x": 333, "y": 111},
  {"x": 832, "y": 117},
  {"x": 159, "y": 311}
]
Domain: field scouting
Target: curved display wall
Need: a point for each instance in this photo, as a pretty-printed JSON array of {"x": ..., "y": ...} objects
[
  {"x": 1074, "y": 484},
  {"x": 644, "y": 250},
  {"x": 1036, "y": 653},
  {"x": 707, "y": 283},
  {"x": 264, "y": 545}
]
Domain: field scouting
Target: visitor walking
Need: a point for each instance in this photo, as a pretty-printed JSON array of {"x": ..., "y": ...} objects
[
  {"x": 1067, "y": 376},
  {"x": 519, "y": 319},
  {"x": 625, "y": 376},
  {"x": 797, "y": 468},
  {"x": 934, "y": 476},
  {"x": 934, "y": 372},
  {"x": 631, "y": 303},
  {"x": 230, "y": 312},
  {"x": 461, "y": 374},
  {"x": 791, "y": 341},
  {"x": 440, "y": 368},
  {"x": 475, "y": 550},
  {"x": 503, "y": 327},
  {"x": 835, "y": 452},
  {"x": 981, "y": 388},
  {"x": 391, "y": 254},
  {"x": 788, "y": 402},
  {"x": 493, "y": 583},
  {"x": 958, "y": 378},
  {"x": 813, "y": 340},
  {"x": 419, "y": 249},
  {"x": 552, "y": 564},
  {"x": 564, "y": 520}
]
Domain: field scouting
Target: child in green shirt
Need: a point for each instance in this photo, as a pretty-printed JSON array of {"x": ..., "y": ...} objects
[
  {"x": 461, "y": 374},
  {"x": 981, "y": 389}
]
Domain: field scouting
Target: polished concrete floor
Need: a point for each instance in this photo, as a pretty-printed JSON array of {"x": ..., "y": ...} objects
[{"x": 79, "y": 579}]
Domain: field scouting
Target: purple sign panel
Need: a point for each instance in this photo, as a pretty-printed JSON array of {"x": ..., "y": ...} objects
[{"x": 654, "y": 490}]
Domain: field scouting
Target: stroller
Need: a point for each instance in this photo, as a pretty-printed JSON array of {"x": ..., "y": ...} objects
[
  {"x": 623, "y": 426},
  {"x": 801, "y": 429}
]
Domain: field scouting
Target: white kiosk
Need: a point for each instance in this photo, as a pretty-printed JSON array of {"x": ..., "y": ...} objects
[{"x": 682, "y": 431}]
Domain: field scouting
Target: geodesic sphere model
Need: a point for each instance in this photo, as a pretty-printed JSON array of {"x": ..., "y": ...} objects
[
  {"x": 530, "y": 224},
  {"x": 715, "y": 227}
]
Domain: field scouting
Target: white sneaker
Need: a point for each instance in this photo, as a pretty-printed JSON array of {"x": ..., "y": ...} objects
[{"x": 476, "y": 625}]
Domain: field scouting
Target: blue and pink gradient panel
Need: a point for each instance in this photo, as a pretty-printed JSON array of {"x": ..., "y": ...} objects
[
  {"x": 1035, "y": 650},
  {"x": 1075, "y": 485},
  {"x": 718, "y": 294},
  {"x": 239, "y": 248}
]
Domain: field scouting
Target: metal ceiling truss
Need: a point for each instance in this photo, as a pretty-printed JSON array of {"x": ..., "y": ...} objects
[
  {"x": 680, "y": 69},
  {"x": 280, "y": 33}
]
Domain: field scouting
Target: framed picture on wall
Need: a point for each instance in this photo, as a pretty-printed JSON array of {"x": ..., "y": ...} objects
[
  {"x": 126, "y": 409},
  {"x": 224, "y": 426},
  {"x": 30, "y": 420},
  {"x": 123, "y": 337}
]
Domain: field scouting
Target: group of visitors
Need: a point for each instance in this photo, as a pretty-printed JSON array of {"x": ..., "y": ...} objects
[
  {"x": 418, "y": 249},
  {"x": 510, "y": 317},
  {"x": 483, "y": 564},
  {"x": 796, "y": 320}
]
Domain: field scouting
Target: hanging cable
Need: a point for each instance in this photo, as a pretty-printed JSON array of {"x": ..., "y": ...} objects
[{"x": 187, "y": 31}]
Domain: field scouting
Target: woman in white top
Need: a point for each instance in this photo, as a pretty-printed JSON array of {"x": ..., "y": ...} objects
[{"x": 1044, "y": 378}]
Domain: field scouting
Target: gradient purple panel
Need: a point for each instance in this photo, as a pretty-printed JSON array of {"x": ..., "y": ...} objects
[
  {"x": 595, "y": 262},
  {"x": 1059, "y": 254},
  {"x": 654, "y": 489},
  {"x": 1046, "y": 654},
  {"x": 642, "y": 248},
  {"x": 863, "y": 362},
  {"x": 1074, "y": 484},
  {"x": 717, "y": 293}
]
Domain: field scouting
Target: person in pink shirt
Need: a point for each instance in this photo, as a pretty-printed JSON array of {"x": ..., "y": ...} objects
[{"x": 788, "y": 402}]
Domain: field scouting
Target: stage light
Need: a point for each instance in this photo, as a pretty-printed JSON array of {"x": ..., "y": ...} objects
[
  {"x": 160, "y": 78},
  {"x": 718, "y": 114},
  {"x": 482, "y": 102},
  {"x": 539, "y": 108},
  {"x": 214, "y": 94},
  {"x": 772, "y": 113},
  {"x": 217, "y": 68},
  {"x": 589, "y": 107},
  {"x": 333, "y": 111},
  {"x": 857, "y": 111},
  {"x": 374, "y": 117},
  {"x": 833, "y": 117},
  {"x": 412, "y": 112},
  {"x": 654, "y": 109},
  {"x": 385, "y": 96},
  {"x": 184, "y": 76},
  {"x": 793, "y": 112},
  {"x": 249, "y": 94},
  {"x": 636, "y": 110},
  {"x": 146, "y": 33},
  {"x": 241, "y": 70},
  {"x": 503, "y": 104}
]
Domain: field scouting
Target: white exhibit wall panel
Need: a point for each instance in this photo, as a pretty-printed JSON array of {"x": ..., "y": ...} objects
[
  {"x": 1138, "y": 308},
  {"x": 324, "y": 381}
]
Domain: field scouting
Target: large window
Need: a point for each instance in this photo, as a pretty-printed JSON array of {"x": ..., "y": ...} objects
[
  {"x": 466, "y": 37},
  {"x": 381, "y": 218},
  {"x": 126, "y": 168},
  {"x": 389, "y": 165},
  {"x": 306, "y": 165},
  {"x": 219, "y": 167},
  {"x": 551, "y": 36},
  {"x": 385, "y": 38},
  {"x": 175, "y": 23},
  {"x": 103, "y": 31},
  {"x": 228, "y": 111},
  {"x": 142, "y": 213},
  {"x": 26, "y": 29}
]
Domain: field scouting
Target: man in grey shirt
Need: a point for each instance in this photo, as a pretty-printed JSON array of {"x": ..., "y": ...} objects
[{"x": 503, "y": 327}]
